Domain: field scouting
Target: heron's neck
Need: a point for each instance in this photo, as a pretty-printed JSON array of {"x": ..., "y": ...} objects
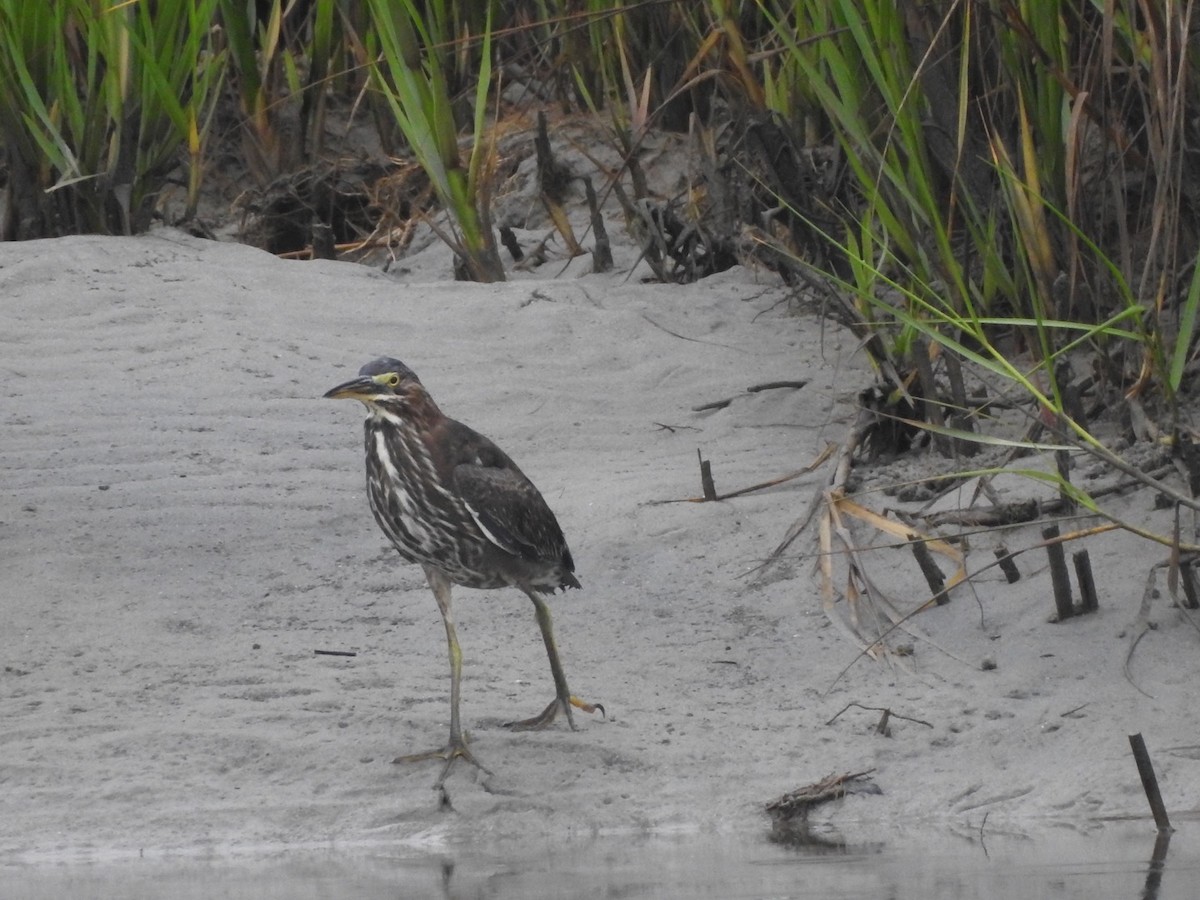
[{"x": 406, "y": 412}]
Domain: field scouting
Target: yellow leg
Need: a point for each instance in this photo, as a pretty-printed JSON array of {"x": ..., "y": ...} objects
[
  {"x": 456, "y": 749},
  {"x": 563, "y": 700}
]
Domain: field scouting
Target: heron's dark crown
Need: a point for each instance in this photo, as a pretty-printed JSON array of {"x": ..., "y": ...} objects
[{"x": 385, "y": 364}]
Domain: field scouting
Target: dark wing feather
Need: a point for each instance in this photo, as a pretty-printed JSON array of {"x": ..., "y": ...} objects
[{"x": 511, "y": 511}]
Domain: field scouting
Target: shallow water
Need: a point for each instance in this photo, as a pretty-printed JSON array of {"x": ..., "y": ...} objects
[{"x": 1116, "y": 862}]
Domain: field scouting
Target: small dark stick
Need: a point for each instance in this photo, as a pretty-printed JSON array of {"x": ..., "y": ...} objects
[
  {"x": 775, "y": 385},
  {"x": 1187, "y": 574},
  {"x": 1058, "y": 573},
  {"x": 323, "y": 246},
  {"x": 509, "y": 239},
  {"x": 933, "y": 575},
  {"x": 706, "y": 479},
  {"x": 1149, "y": 782},
  {"x": 553, "y": 176},
  {"x": 1007, "y": 566},
  {"x": 1087, "y": 584},
  {"x": 1062, "y": 460},
  {"x": 961, "y": 417},
  {"x": 602, "y": 260},
  {"x": 882, "y": 727},
  {"x": 933, "y": 409},
  {"x": 336, "y": 652}
]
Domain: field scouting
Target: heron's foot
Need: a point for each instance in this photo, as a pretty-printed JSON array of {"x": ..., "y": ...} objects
[
  {"x": 547, "y": 716},
  {"x": 451, "y": 753}
]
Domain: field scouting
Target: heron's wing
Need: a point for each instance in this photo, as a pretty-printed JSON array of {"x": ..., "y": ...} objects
[{"x": 510, "y": 511}]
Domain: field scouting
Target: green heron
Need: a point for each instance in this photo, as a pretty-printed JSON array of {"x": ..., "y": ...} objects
[{"x": 451, "y": 500}]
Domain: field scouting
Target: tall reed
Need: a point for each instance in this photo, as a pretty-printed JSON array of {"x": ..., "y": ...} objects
[
  {"x": 99, "y": 98},
  {"x": 411, "y": 68}
]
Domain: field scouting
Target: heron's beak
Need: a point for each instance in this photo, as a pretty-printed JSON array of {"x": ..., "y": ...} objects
[{"x": 361, "y": 388}]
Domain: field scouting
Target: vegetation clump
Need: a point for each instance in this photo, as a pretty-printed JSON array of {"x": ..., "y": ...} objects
[{"x": 998, "y": 196}]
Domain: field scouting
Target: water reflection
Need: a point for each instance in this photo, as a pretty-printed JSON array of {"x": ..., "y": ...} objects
[
  {"x": 1158, "y": 864},
  {"x": 1057, "y": 864}
]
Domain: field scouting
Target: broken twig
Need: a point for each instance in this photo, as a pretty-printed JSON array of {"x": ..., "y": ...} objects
[
  {"x": 879, "y": 709},
  {"x": 1059, "y": 578},
  {"x": 762, "y": 485},
  {"x": 753, "y": 389},
  {"x": 934, "y": 576},
  {"x": 706, "y": 479},
  {"x": 1007, "y": 566},
  {"x": 1087, "y": 583},
  {"x": 1150, "y": 782},
  {"x": 797, "y": 803}
]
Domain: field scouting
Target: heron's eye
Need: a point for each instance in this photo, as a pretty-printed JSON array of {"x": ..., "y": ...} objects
[{"x": 392, "y": 379}]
